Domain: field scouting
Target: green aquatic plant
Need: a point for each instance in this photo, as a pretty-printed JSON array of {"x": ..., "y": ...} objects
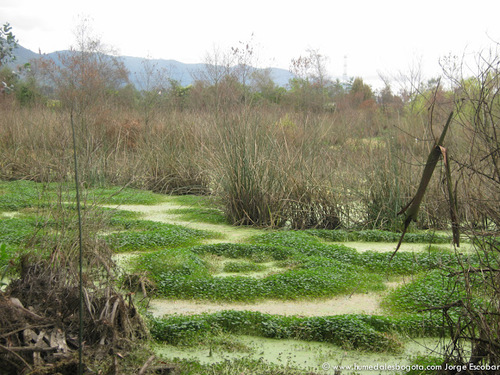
[
  {"x": 351, "y": 331},
  {"x": 155, "y": 236}
]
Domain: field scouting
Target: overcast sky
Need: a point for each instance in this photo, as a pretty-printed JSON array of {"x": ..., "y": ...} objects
[{"x": 384, "y": 36}]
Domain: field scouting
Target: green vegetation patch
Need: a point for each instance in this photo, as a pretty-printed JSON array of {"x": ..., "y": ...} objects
[
  {"x": 16, "y": 195},
  {"x": 257, "y": 253},
  {"x": 377, "y": 236},
  {"x": 311, "y": 269},
  {"x": 16, "y": 230},
  {"x": 243, "y": 267},
  {"x": 122, "y": 219},
  {"x": 304, "y": 244},
  {"x": 424, "y": 365},
  {"x": 7, "y": 255},
  {"x": 193, "y": 200},
  {"x": 117, "y": 195},
  {"x": 288, "y": 238},
  {"x": 154, "y": 236},
  {"x": 204, "y": 215},
  {"x": 364, "y": 332},
  {"x": 171, "y": 263},
  {"x": 406, "y": 263},
  {"x": 430, "y": 290},
  {"x": 293, "y": 284}
]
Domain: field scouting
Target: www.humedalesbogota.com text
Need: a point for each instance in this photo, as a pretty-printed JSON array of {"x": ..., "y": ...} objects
[{"x": 387, "y": 367}]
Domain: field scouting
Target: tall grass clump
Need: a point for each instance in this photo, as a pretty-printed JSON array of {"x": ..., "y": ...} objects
[
  {"x": 172, "y": 150},
  {"x": 388, "y": 189},
  {"x": 252, "y": 183},
  {"x": 265, "y": 179}
]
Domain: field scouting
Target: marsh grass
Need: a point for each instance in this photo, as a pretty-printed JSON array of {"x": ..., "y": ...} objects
[
  {"x": 265, "y": 180},
  {"x": 266, "y": 166}
]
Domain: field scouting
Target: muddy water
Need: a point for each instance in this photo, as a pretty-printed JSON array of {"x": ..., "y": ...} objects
[
  {"x": 410, "y": 247},
  {"x": 311, "y": 356},
  {"x": 368, "y": 303},
  {"x": 162, "y": 213}
]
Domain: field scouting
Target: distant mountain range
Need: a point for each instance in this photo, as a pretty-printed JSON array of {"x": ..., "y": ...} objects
[{"x": 180, "y": 72}]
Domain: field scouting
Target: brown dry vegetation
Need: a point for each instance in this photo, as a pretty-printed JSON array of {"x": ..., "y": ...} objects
[{"x": 270, "y": 166}]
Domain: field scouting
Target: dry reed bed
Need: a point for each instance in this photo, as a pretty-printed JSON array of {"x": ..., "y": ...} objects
[{"x": 267, "y": 166}]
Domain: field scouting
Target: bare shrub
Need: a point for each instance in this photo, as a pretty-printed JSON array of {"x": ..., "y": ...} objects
[{"x": 475, "y": 332}]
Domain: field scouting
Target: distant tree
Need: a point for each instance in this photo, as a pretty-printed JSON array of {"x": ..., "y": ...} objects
[
  {"x": 9, "y": 76},
  {"x": 88, "y": 75},
  {"x": 178, "y": 95},
  {"x": 337, "y": 89},
  {"x": 244, "y": 58},
  {"x": 153, "y": 82},
  {"x": 8, "y": 43},
  {"x": 387, "y": 101},
  {"x": 263, "y": 87},
  {"x": 211, "y": 89},
  {"x": 308, "y": 89},
  {"x": 361, "y": 94}
]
